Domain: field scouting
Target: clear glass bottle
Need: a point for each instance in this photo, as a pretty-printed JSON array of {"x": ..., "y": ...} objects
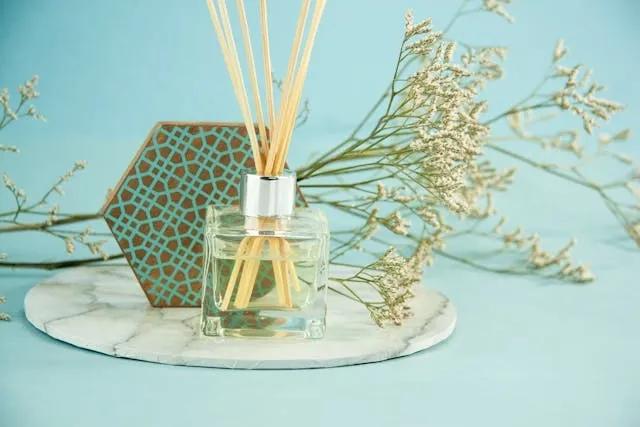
[{"x": 266, "y": 264}]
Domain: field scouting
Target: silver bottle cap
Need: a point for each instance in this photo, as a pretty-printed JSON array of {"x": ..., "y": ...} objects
[{"x": 267, "y": 196}]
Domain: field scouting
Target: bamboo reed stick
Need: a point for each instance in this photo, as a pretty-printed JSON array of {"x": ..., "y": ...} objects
[
  {"x": 250, "y": 271},
  {"x": 253, "y": 74},
  {"x": 266, "y": 49},
  {"x": 277, "y": 270},
  {"x": 291, "y": 268},
  {"x": 231, "y": 286},
  {"x": 284, "y": 274}
]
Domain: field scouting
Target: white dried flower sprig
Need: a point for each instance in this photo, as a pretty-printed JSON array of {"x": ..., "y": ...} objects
[
  {"x": 423, "y": 164},
  {"x": 95, "y": 247},
  {"x": 486, "y": 63},
  {"x": 54, "y": 216},
  {"x": 579, "y": 97},
  {"x": 27, "y": 92},
  {"x": 560, "y": 51},
  {"x": 634, "y": 230},
  {"x": 424, "y": 46},
  {"x": 526, "y": 253},
  {"x": 497, "y": 7},
  {"x": 84, "y": 238},
  {"x": 42, "y": 206},
  {"x": 394, "y": 283},
  {"x": 9, "y": 148},
  {"x": 4, "y": 316},
  {"x": 623, "y": 135},
  {"x": 411, "y": 29},
  {"x": 19, "y": 195},
  {"x": 449, "y": 135},
  {"x": 576, "y": 95},
  {"x": 394, "y": 279},
  {"x": 57, "y": 187},
  {"x": 540, "y": 259}
]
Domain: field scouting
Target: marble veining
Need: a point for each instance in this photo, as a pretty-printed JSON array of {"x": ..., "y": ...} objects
[{"x": 103, "y": 309}]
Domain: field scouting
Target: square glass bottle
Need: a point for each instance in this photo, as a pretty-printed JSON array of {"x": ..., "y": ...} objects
[{"x": 266, "y": 264}]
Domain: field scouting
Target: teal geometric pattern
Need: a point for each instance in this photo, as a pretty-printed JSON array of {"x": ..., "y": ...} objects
[{"x": 156, "y": 212}]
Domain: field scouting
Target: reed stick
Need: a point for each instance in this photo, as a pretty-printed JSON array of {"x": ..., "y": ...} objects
[
  {"x": 266, "y": 53},
  {"x": 277, "y": 271},
  {"x": 250, "y": 271},
  {"x": 291, "y": 268},
  {"x": 253, "y": 74},
  {"x": 231, "y": 286}
]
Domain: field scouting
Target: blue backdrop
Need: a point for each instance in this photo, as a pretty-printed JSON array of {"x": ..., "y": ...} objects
[{"x": 524, "y": 354}]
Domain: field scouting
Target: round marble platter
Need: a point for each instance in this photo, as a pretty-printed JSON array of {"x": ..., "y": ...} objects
[{"x": 103, "y": 309}]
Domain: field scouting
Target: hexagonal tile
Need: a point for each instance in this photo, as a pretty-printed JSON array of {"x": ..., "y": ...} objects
[{"x": 156, "y": 212}]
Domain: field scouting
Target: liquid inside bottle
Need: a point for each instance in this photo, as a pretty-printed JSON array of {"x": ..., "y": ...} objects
[{"x": 266, "y": 277}]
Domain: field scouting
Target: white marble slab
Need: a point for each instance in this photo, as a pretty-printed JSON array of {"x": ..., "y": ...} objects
[{"x": 103, "y": 309}]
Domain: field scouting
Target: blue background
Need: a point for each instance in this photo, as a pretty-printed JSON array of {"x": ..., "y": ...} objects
[{"x": 526, "y": 352}]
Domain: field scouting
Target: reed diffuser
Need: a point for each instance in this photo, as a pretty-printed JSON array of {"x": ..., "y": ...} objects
[{"x": 266, "y": 261}]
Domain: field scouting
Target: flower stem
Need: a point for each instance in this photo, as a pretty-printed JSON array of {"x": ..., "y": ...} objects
[
  {"x": 56, "y": 265},
  {"x": 40, "y": 226}
]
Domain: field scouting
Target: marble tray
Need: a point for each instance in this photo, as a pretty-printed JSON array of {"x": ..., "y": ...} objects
[{"x": 103, "y": 309}]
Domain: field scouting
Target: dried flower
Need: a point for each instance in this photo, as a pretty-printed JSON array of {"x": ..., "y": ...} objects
[
  {"x": 395, "y": 284},
  {"x": 397, "y": 224},
  {"x": 605, "y": 139},
  {"x": 623, "y": 135},
  {"x": 429, "y": 147},
  {"x": 79, "y": 165},
  {"x": 628, "y": 160},
  {"x": 70, "y": 245},
  {"x": 497, "y": 229},
  {"x": 412, "y": 30},
  {"x": 4, "y": 316},
  {"x": 560, "y": 51},
  {"x": 578, "y": 97},
  {"x": 497, "y": 7},
  {"x": 9, "y": 148},
  {"x": 382, "y": 191}
]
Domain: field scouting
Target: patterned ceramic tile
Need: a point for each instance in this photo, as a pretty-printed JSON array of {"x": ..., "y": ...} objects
[{"x": 156, "y": 212}]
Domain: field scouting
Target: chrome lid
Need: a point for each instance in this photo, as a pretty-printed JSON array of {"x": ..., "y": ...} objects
[{"x": 267, "y": 196}]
